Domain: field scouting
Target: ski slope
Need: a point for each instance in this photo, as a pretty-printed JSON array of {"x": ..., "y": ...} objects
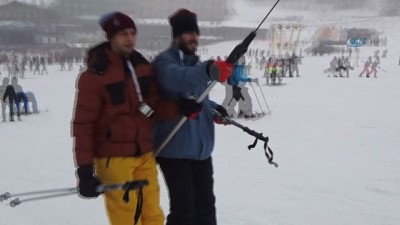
[{"x": 336, "y": 141}]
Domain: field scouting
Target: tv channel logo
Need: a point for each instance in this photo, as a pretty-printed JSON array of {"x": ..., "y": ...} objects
[{"x": 357, "y": 41}]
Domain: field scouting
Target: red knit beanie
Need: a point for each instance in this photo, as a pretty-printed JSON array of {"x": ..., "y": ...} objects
[{"x": 113, "y": 22}]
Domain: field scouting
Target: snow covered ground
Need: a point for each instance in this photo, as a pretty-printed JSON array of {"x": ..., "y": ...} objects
[{"x": 336, "y": 140}]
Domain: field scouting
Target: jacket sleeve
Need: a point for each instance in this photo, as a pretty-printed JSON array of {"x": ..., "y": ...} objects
[
  {"x": 87, "y": 109},
  {"x": 177, "y": 78},
  {"x": 163, "y": 109}
]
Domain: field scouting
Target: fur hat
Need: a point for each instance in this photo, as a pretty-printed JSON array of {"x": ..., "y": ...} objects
[
  {"x": 113, "y": 22},
  {"x": 183, "y": 21}
]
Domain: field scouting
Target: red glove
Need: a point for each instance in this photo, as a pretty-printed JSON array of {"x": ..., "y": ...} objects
[
  {"x": 220, "y": 70},
  {"x": 218, "y": 120}
]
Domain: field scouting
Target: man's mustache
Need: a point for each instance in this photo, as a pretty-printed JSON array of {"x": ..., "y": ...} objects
[{"x": 193, "y": 42}]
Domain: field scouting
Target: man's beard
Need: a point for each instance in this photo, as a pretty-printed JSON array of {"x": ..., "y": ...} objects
[
  {"x": 182, "y": 45},
  {"x": 123, "y": 50}
]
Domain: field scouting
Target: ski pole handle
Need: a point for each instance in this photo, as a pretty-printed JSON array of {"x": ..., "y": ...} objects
[
  {"x": 241, "y": 48},
  {"x": 5, "y": 196}
]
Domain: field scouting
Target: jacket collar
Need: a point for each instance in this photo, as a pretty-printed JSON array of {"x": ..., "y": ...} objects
[
  {"x": 100, "y": 56},
  {"x": 187, "y": 60}
]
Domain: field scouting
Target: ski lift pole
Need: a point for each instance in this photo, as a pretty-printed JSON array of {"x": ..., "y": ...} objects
[
  {"x": 262, "y": 93},
  {"x": 259, "y": 136},
  {"x": 241, "y": 48},
  {"x": 259, "y": 104}
]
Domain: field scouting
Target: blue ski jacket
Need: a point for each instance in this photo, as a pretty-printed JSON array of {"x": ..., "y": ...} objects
[
  {"x": 183, "y": 76},
  {"x": 239, "y": 75}
]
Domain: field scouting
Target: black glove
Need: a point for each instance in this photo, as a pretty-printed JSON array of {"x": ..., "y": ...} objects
[
  {"x": 220, "y": 119},
  {"x": 222, "y": 111},
  {"x": 189, "y": 107},
  {"x": 87, "y": 182}
]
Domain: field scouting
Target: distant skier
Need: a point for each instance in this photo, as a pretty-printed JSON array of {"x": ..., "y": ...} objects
[
  {"x": 9, "y": 71},
  {"x": 240, "y": 92},
  {"x": 248, "y": 67},
  {"x": 262, "y": 62},
  {"x": 20, "y": 96},
  {"x": 332, "y": 67},
  {"x": 340, "y": 66},
  {"x": 347, "y": 65},
  {"x": 11, "y": 96},
  {"x": 376, "y": 54},
  {"x": 287, "y": 65},
  {"x": 37, "y": 67},
  {"x": 267, "y": 74},
  {"x": 374, "y": 65},
  {"x": 294, "y": 64},
  {"x": 3, "y": 88},
  {"x": 274, "y": 70},
  {"x": 366, "y": 67},
  {"x": 44, "y": 68},
  {"x": 81, "y": 68},
  {"x": 384, "y": 54}
]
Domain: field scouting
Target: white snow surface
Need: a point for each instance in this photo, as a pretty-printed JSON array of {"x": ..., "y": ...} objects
[{"x": 336, "y": 140}]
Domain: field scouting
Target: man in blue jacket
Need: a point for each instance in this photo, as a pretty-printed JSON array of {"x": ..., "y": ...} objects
[{"x": 186, "y": 161}]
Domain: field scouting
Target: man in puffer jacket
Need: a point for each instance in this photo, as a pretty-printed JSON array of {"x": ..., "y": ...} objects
[{"x": 116, "y": 104}]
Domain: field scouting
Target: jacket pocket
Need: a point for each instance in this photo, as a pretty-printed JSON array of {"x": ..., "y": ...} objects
[
  {"x": 116, "y": 92},
  {"x": 123, "y": 129}
]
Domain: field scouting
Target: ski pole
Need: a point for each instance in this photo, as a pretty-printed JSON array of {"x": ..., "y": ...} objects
[
  {"x": 47, "y": 194},
  {"x": 259, "y": 136},
  {"x": 262, "y": 93},
  {"x": 17, "y": 201},
  {"x": 259, "y": 104},
  {"x": 7, "y": 195},
  {"x": 276, "y": 3},
  {"x": 381, "y": 69}
]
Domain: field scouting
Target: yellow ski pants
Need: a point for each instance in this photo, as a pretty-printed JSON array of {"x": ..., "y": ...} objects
[{"x": 123, "y": 169}]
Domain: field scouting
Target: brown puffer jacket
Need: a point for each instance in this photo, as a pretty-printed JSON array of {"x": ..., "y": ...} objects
[{"x": 107, "y": 121}]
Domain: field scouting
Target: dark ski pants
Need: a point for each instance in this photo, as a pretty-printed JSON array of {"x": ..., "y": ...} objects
[
  {"x": 21, "y": 97},
  {"x": 11, "y": 106},
  {"x": 190, "y": 184}
]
